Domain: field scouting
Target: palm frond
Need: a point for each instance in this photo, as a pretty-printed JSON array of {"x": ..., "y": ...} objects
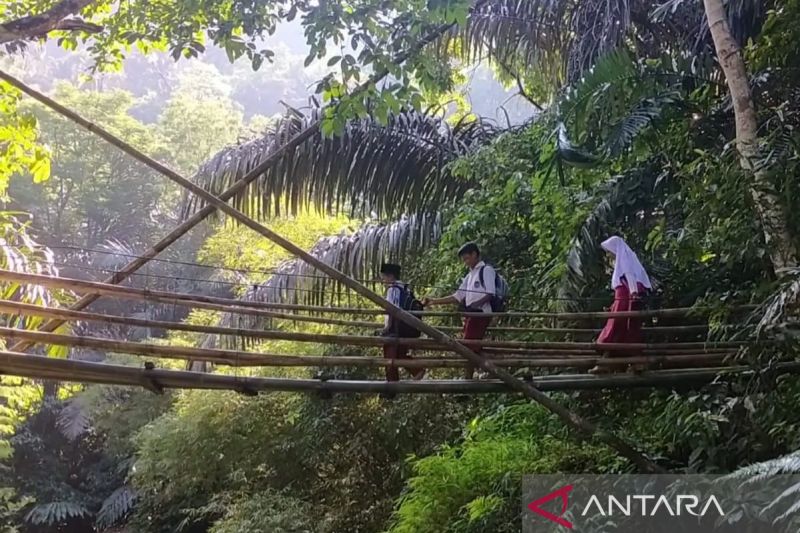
[
  {"x": 73, "y": 420},
  {"x": 387, "y": 170},
  {"x": 357, "y": 254},
  {"x": 53, "y": 513},
  {"x": 684, "y": 21},
  {"x": 600, "y": 26},
  {"x": 787, "y": 464},
  {"x": 531, "y": 33},
  {"x": 611, "y": 73},
  {"x": 779, "y": 312},
  {"x": 619, "y": 197},
  {"x": 640, "y": 117},
  {"x": 116, "y": 507},
  {"x": 20, "y": 253},
  {"x": 783, "y": 509}
]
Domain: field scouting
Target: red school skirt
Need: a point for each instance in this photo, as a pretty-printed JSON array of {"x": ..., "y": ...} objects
[{"x": 623, "y": 330}]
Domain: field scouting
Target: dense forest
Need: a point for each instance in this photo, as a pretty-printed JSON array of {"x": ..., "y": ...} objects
[{"x": 534, "y": 128}]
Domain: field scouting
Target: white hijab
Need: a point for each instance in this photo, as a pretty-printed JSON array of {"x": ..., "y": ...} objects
[{"x": 626, "y": 265}]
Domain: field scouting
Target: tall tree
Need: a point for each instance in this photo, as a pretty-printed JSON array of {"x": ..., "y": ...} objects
[{"x": 780, "y": 246}]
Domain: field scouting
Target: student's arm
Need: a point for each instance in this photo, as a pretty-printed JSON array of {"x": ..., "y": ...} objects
[
  {"x": 440, "y": 301},
  {"x": 456, "y": 298}
]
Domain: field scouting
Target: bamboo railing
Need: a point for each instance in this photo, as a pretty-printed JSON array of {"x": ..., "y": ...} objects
[
  {"x": 17, "y": 364},
  {"x": 241, "y": 358},
  {"x": 260, "y": 308}
]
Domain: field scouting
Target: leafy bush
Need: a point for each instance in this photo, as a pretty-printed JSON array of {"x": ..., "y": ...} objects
[
  {"x": 267, "y": 511},
  {"x": 475, "y": 485}
]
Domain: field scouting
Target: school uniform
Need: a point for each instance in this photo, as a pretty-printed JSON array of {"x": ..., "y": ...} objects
[
  {"x": 468, "y": 294},
  {"x": 394, "y": 295}
]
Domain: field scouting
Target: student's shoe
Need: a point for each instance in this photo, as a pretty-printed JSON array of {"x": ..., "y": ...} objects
[{"x": 484, "y": 375}]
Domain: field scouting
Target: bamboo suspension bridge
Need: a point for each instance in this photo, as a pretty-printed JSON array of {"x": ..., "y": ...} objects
[
  {"x": 681, "y": 362},
  {"x": 698, "y": 361}
]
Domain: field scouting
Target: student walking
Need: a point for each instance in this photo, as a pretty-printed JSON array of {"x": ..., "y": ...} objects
[
  {"x": 400, "y": 295},
  {"x": 476, "y": 294},
  {"x": 630, "y": 283}
]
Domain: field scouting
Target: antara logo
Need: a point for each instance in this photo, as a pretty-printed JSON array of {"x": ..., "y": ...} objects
[
  {"x": 683, "y": 504},
  {"x": 631, "y": 505},
  {"x": 562, "y": 493}
]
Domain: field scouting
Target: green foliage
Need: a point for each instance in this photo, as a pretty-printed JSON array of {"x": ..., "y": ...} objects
[
  {"x": 234, "y": 248},
  {"x": 19, "y": 150},
  {"x": 199, "y": 119},
  {"x": 116, "y": 507},
  {"x": 266, "y": 511},
  {"x": 94, "y": 189},
  {"x": 339, "y": 454},
  {"x": 475, "y": 485}
]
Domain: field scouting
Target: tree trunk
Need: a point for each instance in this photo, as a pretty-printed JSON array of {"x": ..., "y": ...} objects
[{"x": 779, "y": 243}]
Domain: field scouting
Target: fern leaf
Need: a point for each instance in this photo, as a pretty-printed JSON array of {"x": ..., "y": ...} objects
[
  {"x": 640, "y": 117},
  {"x": 53, "y": 513},
  {"x": 116, "y": 507},
  {"x": 73, "y": 420}
]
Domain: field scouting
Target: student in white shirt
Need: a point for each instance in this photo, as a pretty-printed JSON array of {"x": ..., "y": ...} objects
[
  {"x": 390, "y": 277},
  {"x": 474, "y": 295}
]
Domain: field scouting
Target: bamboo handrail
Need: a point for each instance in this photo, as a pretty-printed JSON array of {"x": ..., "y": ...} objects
[
  {"x": 248, "y": 307},
  {"x": 23, "y": 365},
  {"x": 231, "y": 307},
  {"x": 19, "y": 308},
  {"x": 240, "y": 358},
  {"x": 359, "y": 340}
]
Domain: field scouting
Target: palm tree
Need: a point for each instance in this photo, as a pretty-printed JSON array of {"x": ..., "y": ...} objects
[
  {"x": 402, "y": 169},
  {"x": 767, "y": 204},
  {"x": 396, "y": 172}
]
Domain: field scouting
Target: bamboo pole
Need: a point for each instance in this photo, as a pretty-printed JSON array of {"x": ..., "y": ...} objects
[
  {"x": 24, "y": 309},
  {"x": 528, "y": 389},
  {"x": 234, "y": 306},
  {"x": 348, "y": 340},
  {"x": 240, "y": 358},
  {"x": 17, "y": 364},
  {"x": 240, "y": 306}
]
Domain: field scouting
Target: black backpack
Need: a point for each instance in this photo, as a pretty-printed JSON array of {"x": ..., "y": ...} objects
[
  {"x": 499, "y": 301},
  {"x": 408, "y": 302}
]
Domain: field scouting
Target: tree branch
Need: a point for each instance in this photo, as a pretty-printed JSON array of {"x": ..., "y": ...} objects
[
  {"x": 516, "y": 77},
  {"x": 36, "y": 26}
]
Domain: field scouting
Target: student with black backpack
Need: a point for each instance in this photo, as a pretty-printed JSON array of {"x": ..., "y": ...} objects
[
  {"x": 483, "y": 290},
  {"x": 401, "y": 295}
]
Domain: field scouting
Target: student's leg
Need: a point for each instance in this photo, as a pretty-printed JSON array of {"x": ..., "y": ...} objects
[
  {"x": 402, "y": 353},
  {"x": 614, "y": 331},
  {"x": 474, "y": 329},
  {"x": 390, "y": 351}
]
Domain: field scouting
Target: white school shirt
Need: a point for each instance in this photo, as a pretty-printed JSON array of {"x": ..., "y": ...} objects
[
  {"x": 471, "y": 289},
  {"x": 393, "y": 294}
]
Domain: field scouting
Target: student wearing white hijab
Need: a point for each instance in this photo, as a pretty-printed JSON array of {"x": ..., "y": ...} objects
[{"x": 630, "y": 283}]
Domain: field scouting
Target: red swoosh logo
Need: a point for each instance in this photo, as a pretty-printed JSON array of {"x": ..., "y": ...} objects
[{"x": 562, "y": 493}]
